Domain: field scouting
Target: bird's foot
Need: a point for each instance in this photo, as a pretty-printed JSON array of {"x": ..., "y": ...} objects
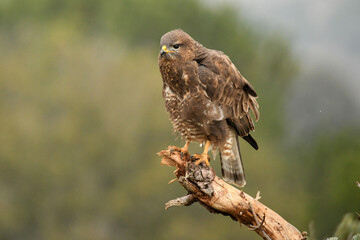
[
  {"x": 174, "y": 149},
  {"x": 203, "y": 158},
  {"x": 183, "y": 151}
]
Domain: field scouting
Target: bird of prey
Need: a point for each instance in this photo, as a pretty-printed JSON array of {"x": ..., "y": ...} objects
[{"x": 208, "y": 100}]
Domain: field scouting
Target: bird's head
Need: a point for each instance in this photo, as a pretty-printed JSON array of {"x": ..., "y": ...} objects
[{"x": 177, "y": 45}]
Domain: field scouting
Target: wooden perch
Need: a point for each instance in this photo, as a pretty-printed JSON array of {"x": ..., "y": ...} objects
[{"x": 217, "y": 196}]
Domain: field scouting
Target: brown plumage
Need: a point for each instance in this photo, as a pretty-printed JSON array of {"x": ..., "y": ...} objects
[{"x": 207, "y": 99}]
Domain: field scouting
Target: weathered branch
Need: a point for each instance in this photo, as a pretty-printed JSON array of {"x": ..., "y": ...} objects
[{"x": 217, "y": 196}]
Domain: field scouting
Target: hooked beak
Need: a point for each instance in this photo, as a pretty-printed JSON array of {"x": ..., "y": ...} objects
[{"x": 164, "y": 50}]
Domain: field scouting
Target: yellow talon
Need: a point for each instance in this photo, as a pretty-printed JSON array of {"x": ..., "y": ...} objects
[
  {"x": 204, "y": 157},
  {"x": 183, "y": 151}
]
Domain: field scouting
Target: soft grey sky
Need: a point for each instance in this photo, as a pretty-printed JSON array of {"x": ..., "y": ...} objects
[
  {"x": 325, "y": 30},
  {"x": 325, "y": 35}
]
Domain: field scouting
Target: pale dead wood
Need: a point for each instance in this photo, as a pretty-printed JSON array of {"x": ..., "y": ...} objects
[
  {"x": 218, "y": 196},
  {"x": 181, "y": 201}
]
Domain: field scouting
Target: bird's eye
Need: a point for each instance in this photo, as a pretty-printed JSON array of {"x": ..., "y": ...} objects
[{"x": 176, "y": 46}]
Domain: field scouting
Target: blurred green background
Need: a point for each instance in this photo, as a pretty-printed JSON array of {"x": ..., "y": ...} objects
[{"x": 82, "y": 118}]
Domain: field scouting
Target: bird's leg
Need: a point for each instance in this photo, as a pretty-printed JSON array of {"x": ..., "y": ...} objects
[
  {"x": 204, "y": 157},
  {"x": 185, "y": 149}
]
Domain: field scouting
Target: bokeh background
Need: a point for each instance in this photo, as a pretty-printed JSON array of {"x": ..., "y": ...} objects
[{"x": 82, "y": 117}]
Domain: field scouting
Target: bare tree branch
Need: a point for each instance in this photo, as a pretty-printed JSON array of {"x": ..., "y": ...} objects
[
  {"x": 181, "y": 201},
  {"x": 217, "y": 196}
]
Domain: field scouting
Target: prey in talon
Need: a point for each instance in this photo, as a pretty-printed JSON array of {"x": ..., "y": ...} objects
[{"x": 208, "y": 101}]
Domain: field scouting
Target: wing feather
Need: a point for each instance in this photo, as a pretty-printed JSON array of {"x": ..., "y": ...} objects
[{"x": 225, "y": 85}]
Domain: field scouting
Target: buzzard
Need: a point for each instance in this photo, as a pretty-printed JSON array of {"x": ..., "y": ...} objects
[{"x": 208, "y": 100}]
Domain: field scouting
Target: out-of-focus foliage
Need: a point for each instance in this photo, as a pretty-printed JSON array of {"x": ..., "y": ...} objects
[
  {"x": 331, "y": 168},
  {"x": 81, "y": 120},
  {"x": 349, "y": 227}
]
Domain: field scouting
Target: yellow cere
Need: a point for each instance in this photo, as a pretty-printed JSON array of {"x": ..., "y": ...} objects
[{"x": 164, "y": 48}]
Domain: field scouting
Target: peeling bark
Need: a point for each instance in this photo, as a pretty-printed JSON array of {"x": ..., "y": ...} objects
[{"x": 217, "y": 196}]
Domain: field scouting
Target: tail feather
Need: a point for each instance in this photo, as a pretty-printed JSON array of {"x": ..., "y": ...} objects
[
  {"x": 231, "y": 164},
  {"x": 251, "y": 141},
  {"x": 243, "y": 126}
]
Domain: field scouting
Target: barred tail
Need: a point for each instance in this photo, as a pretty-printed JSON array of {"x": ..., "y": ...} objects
[{"x": 231, "y": 164}]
